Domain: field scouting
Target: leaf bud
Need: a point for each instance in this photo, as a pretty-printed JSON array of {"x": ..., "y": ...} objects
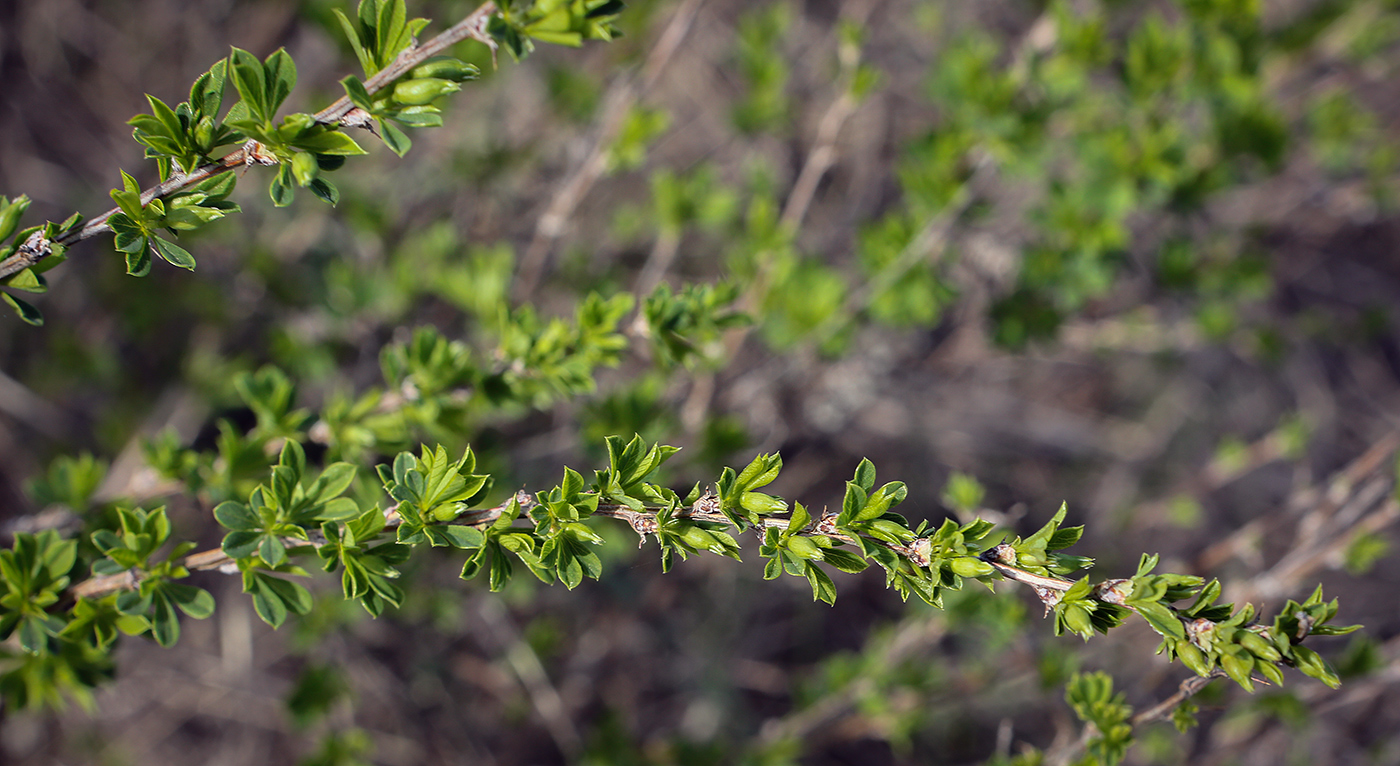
[
  {"x": 1270, "y": 671},
  {"x": 417, "y": 92},
  {"x": 446, "y": 68},
  {"x": 1238, "y": 666},
  {"x": 10, "y": 212},
  {"x": 701, "y": 539},
  {"x": 890, "y": 529},
  {"x": 1306, "y": 659},
  {"x": 1193, "y": 658},
  {"x": 1259, "y": 646},
  {"x": 446, "y": 511},
  {"x": 304, "y": 167},
  {"x": 761, "y": 503},
  {"x": 970, "y": 566},
  {"x": 1078, "y": 621},
  {"x": 804, "y": 548}
]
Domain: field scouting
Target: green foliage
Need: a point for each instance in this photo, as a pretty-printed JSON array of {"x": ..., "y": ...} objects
[
  {"x": 186, "y": 136},
  {"x": 70, "y": 481},
  {"x": 766, "y": 107},
  {"x": 1091, "y": 695},
  {"x": 1157, "y": 110}
]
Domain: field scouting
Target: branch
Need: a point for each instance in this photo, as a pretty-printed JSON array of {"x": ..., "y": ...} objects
[{"x": 472, "y": 27}]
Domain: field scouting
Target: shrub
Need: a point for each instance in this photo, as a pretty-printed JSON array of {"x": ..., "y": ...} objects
[{"x": 1113, "y": 134}]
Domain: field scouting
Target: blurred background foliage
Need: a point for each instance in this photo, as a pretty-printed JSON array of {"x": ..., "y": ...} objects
[{"x": 1141, "y": 257}]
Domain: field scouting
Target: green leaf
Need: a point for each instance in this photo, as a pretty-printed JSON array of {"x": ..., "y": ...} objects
[
  {"x": 823, "y": 589},
  {"x": 195, "y": 602},
  {"x": 865, "y": 474},
  {"x": 248, "y": 79},
  {"x": 269, "y": 606},
  {"x": 292, "y": 594},
  {"x": 11, "y": 211},
  {"x": 271, "y": 549},
  {"x": 845, "y": 561},
  {"x": 325, "y": 191},
  {"x": 354, "y": 89},
  {"x": 26, "y": 312},
  {"x": 761, "y": 471},
  {"x": 27, "y": 281},
  {"x": 165, "y": 623},
  {"x": 283, "y": 187},
  {"x": 280, "y": 74},
  {"x": 332, "y": 142},
  {"x": 235, "y": 516},
  {"x": 1161, "y": 619},
  {"x": 353, "y": 35},
  {"x": 464, "y": 537},
  {"x": 389, "y": 28},
  {"x": 173, "y": 253},
  {"x": 334, "y": 480}
]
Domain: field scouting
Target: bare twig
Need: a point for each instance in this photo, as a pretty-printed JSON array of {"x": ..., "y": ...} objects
[
  {"x": 616, "y": 104},
  {"x": 532, "y": 675},
  {"x": 1188, "y": 689}
]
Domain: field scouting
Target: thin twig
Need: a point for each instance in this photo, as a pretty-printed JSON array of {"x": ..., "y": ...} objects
[
  {"x": 1188, "y": 688},
  {"x": 532, "y": 675},
  {"x": 616, "y": 104}
]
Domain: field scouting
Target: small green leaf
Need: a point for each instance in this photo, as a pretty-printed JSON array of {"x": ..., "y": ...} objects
[
  {"x": 1161, "y": 619},
  {"x": 354, "y": 89},
  {"x": 195, "y": 602},
  {"x": 269, "y": 606},
  {"x": 247, "y": 73},
  {"x": 325, "y": 191},
  {"x": 235, "y": 516},
  {"x": 27, "y": 281},
  {"x": 464, "y": 537},
  {"x": 165, "y": 623},
  {"x": 332, "y": 142},
  {"x": 173, "y": 253},
  {"x": 26, "y": 312},
  {"x": 865, "y": 474},
  {"x": 283, "y": 187},
  {"x": 280, "y": 74},
  {"x": 271, "y": 549},
  {"x": 138, "y": 264},
  {"x": 823, "y": 589}
]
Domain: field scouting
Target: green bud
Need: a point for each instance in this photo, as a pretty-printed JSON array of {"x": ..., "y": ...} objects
[
  {"x": 304, "y": 168},
  {"x": 804, "y": 548},
  {"x": 701, "y": 539},
  {"x": 970, "y": 566},
  {"x": 448, "y": 511},
  {"x": 204, "y": 131},
  {"x": 1270, "y": 671},
  {"x": 1259, "y": 646},
  {"x": 1238, "y": 665},
  {"x": 10, "y": 212},
  {"x": 761, "y": 503},
  {"x": 1193, "y": 658},
  {"x": 415, "y": 92},
  {"x": 890, "y": 529},
  {"x": 583, "y": 533},
  {"x": 1078, "y": 621},
  {"x": 445, "y": 68},
  {"x": 1312, "y": 664}
]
